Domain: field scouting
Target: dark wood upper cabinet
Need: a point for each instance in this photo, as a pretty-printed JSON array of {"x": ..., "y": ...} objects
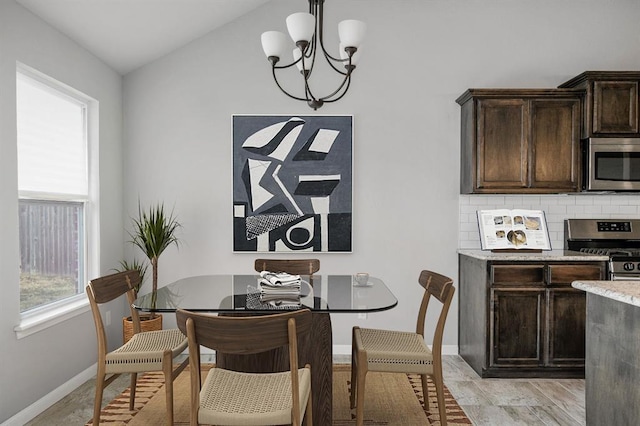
[
  {"x": 611, "y": 104},
  {"x": 520, "y": 140}
]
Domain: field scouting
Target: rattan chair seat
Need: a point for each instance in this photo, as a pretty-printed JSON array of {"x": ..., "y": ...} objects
[
  {"x": 395, "y": 351},
  {"x": 234, "y": 398},
  {"x": 144, "y": 352}
]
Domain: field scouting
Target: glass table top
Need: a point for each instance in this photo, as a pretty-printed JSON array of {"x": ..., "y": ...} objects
[{"x": 232, "y": 293}]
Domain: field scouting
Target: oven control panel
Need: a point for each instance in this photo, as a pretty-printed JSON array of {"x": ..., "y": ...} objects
[{"x": 614, "y": 226}]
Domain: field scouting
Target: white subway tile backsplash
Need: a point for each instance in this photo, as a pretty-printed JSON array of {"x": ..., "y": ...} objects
[
  {"x": 566, "y": 200},
  {"x": 587, "y": 200},
  {"x": 632, "y": 210},
  {"x": 557, "y": 208},
  {"x": 610, "y": 209},
  {"x": 493, "y": 200}
]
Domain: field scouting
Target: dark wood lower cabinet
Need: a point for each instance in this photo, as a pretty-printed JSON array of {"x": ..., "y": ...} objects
[
  {"x": 523, "y": 318},
  {"x": 518, "y": 318}
]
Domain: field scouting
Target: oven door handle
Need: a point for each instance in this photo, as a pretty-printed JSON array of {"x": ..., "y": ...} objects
[{"x": 625, "y": 278}]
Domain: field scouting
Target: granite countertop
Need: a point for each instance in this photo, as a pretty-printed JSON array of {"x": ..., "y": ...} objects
[
  {"x": 549, "y": 255},
  {"x": 622, "y": 291}
]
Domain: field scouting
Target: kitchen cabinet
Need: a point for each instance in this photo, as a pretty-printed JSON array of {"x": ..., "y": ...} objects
[
  {"x": 520, "y": 140},
  {"x": 611, "y": 103},
  {"x": 523, "y": 318}
]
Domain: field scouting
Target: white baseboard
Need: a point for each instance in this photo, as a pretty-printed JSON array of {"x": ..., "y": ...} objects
[{"x": 51, "y": 398}]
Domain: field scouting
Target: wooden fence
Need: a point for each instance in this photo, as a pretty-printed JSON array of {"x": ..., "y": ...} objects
[{"x": 50, "y": 237}]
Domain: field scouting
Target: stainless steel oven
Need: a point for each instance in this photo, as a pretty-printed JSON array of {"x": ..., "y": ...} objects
[
  {"x": 619, "y": 239},
  {"x": 611, "y": 164}
]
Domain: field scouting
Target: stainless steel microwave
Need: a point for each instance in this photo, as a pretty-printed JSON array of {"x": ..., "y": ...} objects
[{"x": 611, "y": 164}]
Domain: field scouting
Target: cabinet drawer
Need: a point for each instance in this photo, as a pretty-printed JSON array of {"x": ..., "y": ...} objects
[
  {"x": 517, "y": 274},
  {"x": 565, "y": 274}
]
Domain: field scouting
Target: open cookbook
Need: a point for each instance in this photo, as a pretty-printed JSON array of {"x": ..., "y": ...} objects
[{"x": 504, "y": 229}]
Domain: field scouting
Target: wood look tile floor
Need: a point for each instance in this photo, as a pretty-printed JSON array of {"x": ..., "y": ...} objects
[
  {"x": 487, "y": 402},
  {"x": 510, "y": 402}
]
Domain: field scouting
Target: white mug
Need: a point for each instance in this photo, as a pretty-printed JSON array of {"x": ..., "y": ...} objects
[{"x": 362, "y": 278}]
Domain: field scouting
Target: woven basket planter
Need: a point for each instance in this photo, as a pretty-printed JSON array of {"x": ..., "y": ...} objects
[{"x": 147, "y": 323}]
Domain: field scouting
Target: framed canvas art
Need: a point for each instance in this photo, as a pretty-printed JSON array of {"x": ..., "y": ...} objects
[{"x": 292, "y": 183}]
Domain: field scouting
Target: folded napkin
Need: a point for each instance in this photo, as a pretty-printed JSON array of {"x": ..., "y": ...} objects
[
  {"x": 280, "y": 284},
  {"x": 280, "y": 300},
  {"x": 257, "y": 300},
  {"x": 279, "y": 279}
]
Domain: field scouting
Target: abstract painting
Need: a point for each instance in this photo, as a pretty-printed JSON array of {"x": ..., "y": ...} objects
[{"x": 292, "y": 183}]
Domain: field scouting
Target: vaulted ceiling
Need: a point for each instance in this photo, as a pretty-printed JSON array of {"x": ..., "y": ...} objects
[{"x": 127, "y": 34}]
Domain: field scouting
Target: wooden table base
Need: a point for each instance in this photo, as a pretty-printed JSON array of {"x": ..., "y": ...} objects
[{"x": 316, "y": 350}]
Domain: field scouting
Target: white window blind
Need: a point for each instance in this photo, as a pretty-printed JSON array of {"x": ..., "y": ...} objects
[{"x": 52, "y": 148}]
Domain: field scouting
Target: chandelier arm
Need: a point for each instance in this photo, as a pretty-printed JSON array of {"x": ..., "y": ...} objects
[
  {"x": 281, "y": 67},
  {"x": 307, "y": 88},
  {"x": 297, "y": 98},
  {"x": 320, "y": 19},
  {"x": 331, "y": 60},
  {"x": 325, "y": 100},
  {"x": 346, "y": 81}
]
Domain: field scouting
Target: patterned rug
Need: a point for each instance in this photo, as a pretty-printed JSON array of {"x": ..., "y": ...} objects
[{"x": 391, "y": 399}]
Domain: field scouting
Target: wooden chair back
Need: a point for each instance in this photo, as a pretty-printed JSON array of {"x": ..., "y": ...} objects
[
  {"x": 442, "y": 289},
  {"x": 105, "y": 289},
  {"x": 244, "y": 335},
  {"x": 290, "y": 266}
]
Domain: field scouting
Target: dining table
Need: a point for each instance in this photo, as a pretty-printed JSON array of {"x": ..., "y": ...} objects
[{"x": 240, "y": 295}]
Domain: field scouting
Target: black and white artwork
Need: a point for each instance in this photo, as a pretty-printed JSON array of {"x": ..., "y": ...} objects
[{"x": 292, "y": 183}]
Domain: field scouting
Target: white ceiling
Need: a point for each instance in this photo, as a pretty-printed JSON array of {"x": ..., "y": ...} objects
[{"x": 127, "y": 34}]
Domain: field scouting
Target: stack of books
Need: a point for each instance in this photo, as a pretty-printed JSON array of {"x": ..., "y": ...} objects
[{"x": 280, "y": 288}]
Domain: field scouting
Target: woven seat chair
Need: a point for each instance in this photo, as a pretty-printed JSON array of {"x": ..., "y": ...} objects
[
  {"x": 236, "y": 398},
  {"x": 403, "y": 352},
  {"x": 290, "y": 266},
  {"x": 145, "y": 351}
]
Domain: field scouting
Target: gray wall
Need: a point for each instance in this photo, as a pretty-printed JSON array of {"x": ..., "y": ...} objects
[
  {"x": 418, "y": 58},
  {"x": 33, "y": 366}
]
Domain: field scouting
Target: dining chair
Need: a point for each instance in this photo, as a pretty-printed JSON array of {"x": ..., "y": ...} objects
[
  {"x": 403, "y": 352},
  {"x": 290, "y": 266},
  {"x": 234, "y": 398},
  {"x": 145, "y": 351}
]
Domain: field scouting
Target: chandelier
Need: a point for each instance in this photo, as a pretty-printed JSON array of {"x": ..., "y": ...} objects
[{"x": 306, "y": 30}]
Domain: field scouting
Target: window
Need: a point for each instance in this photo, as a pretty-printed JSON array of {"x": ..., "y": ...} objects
[{"x": 56, "y": 215}]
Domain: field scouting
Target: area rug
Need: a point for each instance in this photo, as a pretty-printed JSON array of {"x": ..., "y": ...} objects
[{"x": 391, "y": 399}]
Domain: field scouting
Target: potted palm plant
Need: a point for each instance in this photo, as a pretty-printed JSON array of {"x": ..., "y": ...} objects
[
  {"x": 153, "y": 232},
  {"x": 147, "y": 322}
]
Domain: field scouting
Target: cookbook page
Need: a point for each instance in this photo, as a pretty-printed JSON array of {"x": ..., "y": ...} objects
[{"x": 513, "y": 229}]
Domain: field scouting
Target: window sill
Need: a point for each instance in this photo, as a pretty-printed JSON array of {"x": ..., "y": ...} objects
[{"x": 37, "y": 322}]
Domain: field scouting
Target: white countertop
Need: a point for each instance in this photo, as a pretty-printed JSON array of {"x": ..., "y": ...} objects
[
  {"x": 622, "y": 291},
  {"x": 547, "y": 255}
]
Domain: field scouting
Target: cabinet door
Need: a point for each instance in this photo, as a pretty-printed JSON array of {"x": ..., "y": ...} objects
[
  {"x": 566, "y": 324},
  {"x": 615, "y": 107},
  {"x": 516, "y": 329},
  {"x": 566, "y": 312},
  {"x": 502, "y": 158},
  {"x": 555, "y": 138}
]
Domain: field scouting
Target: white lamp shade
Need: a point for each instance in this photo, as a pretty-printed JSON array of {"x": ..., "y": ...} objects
[
  {"x": 354, "y": 59},
  {"x": 352, "y": 32},
  {"x": 301, "y": 26},
  {"x": 274, "y": 43}
]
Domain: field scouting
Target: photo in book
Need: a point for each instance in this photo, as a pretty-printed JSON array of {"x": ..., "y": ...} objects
[{"x": 292, "y": 183}]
